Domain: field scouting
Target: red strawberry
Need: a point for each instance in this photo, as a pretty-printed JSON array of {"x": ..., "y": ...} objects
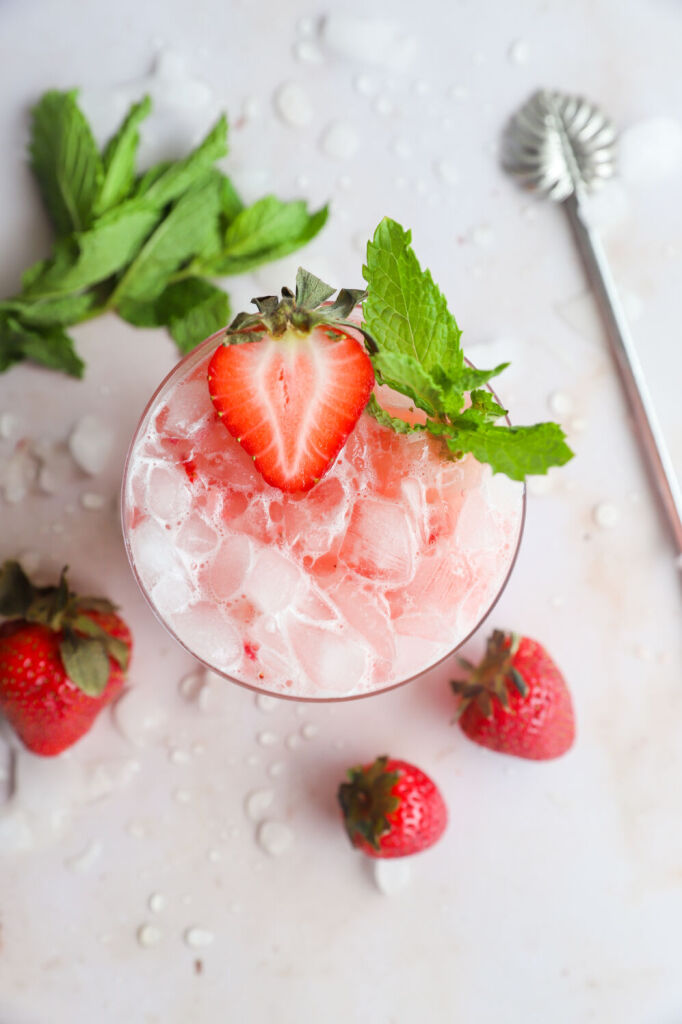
[
  {"x": 291, "y": 382},
  {"x": 516, "y": 701},
  {"x": 62, "y": 659},
  {"x": 391, "y": 808}
]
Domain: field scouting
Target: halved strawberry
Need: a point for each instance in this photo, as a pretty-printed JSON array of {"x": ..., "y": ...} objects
[{"x": 291, "y": 382}]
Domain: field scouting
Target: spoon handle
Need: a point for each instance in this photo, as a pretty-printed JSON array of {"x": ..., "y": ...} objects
[{"x": 629, "y": 368}]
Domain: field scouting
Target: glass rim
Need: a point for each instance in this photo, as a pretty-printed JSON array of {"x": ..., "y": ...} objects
[{"x": 196, "y": 354}]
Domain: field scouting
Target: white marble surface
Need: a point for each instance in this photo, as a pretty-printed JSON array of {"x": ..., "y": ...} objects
[{"x": 556, "y": 894}]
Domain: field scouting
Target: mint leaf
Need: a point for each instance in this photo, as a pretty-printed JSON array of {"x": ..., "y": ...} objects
[
  {"x": 405, "y": 311},
  {"x": 167, "y": 181},
  {"x": 404, "y": 374},
  {"x": 63, "y": 310},
  {"x": 419, "y": 355},
  {"x": 230, "y": 202},
  {"x": 386, "y": 420},
  {"x": 119, "y": 158},
  {"x": 189, "y": 225},
  {"x": 516, "y": 451},
  {"x": 89, "y": 257},
  {"x": 65, "y": 161},
  {"x": 192, "y": 309},
  {"x": 48, "y": 345},
  {"x": 267, "y": 230}
]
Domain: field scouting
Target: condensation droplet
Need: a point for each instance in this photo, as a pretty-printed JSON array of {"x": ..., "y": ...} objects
[
  {"x": 339, "y": 140},
  {"x": 275, "y": 837},
  {"x": 309, "y": 731},
  {"x": 293, "y": 105},
  {"x": 257, "y": 803}
]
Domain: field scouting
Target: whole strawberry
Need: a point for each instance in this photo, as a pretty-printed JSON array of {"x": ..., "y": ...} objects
[
  {"x": 391, "y": 808},
  {"x": 62, "y": 659},
  {"x": 291, "y": 381},
  {"x": 516, "y": 701}
]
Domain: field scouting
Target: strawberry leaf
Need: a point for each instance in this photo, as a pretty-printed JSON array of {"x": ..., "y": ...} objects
[
  {"x": 86, "y": 663},
  {"x": 113, "y": 645},
  {"x": 16, "y": 590}
]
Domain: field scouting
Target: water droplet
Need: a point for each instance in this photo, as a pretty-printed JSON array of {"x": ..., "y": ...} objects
[
  {"x": 309, "y": 731},
  {"x": 339, "y": 140},
  {"x": 383, "y": 106},
  {"x": 156, "y": 902},
  {"x": 401, "y": 148},
  {"x": 307, "y": 52},
  {"x": 265, "y": 703},
  {"x": 198, "y": 938},
  {"x": 293, "y": 105},
  {"x": 275, "y": 837},
  {"x": 182, "y": 796},
  {"x": 519, "y": 51},
  {"x": 267, "y": 739},
  {"x": 177, "y": 756},
  {"x": 560, "y": 404},
  {"x": 214, "y": 856},
  {"x": 293, "y": 741},
  {"x": 276, "y": 769},
  {"x": 364, "y": 85},
  {"x": 445, "y": 172},
  {"x": 605, "y": 515},
  {"x": 148, "y": 935},
  {"x": 257, "y": 803},
  {"x": 481, "y": 235},
  {"x": 93, "y": 501}
]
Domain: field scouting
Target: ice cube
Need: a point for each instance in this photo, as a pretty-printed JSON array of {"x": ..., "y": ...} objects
[
  {"x": 196, "y": 538},
  {"x": 188, "y": 406},
  {"x": 90, "y": 443},
  {"x": 207, "y": 633},
  {"x": 273, "y": 581},
  {"x": 333, "y": 663},
  {"x": 168, "y": 495},
  {"x": 439, "y": 585},
  {"x": 316, "y": 522},
  {"x": 379, "y": 543},
  {"x": 226, "y": 572},
  {"x": 476, "y": 528},
  {"x": 154, "y": 552},
  {"x": 171, "y": 594},
  {"x": 366, "y": 613}
]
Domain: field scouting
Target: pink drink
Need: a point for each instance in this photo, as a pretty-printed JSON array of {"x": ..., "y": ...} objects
[{"x": 380, "y": 571}]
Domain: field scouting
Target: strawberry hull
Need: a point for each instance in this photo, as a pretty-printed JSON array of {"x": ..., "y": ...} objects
[{"x": 368, "y": 579}]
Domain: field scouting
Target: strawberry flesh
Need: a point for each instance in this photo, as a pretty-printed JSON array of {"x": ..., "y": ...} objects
[{"x": 291, "y": 401}]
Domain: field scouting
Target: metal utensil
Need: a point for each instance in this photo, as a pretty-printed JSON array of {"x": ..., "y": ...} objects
[{"x": 563, "y": 147}]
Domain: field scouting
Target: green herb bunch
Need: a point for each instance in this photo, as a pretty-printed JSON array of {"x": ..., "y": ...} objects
[{"x": 145, "y": 245}]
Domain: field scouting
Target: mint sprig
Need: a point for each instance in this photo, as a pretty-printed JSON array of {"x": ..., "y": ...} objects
[
  {"x": 419, "y": 355},
  {"x": 144, "y": 245}
]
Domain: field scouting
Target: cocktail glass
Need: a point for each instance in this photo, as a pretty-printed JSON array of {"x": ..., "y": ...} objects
[{"x": 381, "y": 571}]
